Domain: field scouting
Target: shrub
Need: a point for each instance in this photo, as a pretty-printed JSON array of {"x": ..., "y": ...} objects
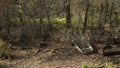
[
  {"x": 109, "y": 65},
  {"x": 84, "y": 66},
  {"x": 5, "y": 50},
  {"x": 58, "y": 22}
]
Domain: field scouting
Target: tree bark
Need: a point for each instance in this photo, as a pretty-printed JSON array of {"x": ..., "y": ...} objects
[
  {"x": 86, "y": 17},
  {"x": 68, "y": 13}
]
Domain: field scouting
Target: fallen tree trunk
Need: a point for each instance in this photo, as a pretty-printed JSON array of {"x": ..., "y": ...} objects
[{"x": 111, "y": 52}]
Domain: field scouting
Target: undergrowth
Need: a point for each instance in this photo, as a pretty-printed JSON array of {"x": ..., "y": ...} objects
[
  {"x": 5, "y": 50},
  {"x": 106, "y": 65}
]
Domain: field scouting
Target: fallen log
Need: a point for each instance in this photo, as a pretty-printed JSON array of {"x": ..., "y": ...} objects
[{"x": 111, "y": 52}]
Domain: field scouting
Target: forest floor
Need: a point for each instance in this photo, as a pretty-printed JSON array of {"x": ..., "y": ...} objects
[{"x": 58, "y": 55}]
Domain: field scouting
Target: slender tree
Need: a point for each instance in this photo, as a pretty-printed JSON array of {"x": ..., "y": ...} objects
[{"x": 67, "y": 12}]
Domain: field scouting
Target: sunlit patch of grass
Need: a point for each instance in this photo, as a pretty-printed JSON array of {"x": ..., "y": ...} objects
[
  {"x": 109, "y": 65},
  {"x": 84, "y": 66},
  {"x": 58, "y": 22}
]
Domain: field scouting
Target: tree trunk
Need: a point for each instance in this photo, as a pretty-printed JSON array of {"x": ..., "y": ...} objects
[
  {"x": 48, "y": 16},
  {"x": 86, "y": 17},
  {"x": 41, "y": 24},
  {"x": 67, "y": 12}
]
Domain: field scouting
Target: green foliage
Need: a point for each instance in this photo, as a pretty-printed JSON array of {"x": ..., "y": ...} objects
[
  {"x": 109, "y": 65},
  {"x": 84, "y": 66},
  {"x": 37, "y": 20},
  {"x": 58, "y": 22},
  {"x": 15, "y": 20},
  {"x": 118, "y": 17},
  {"x": 45, "y": 20},
  {"x": 5, "y": 50}
]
